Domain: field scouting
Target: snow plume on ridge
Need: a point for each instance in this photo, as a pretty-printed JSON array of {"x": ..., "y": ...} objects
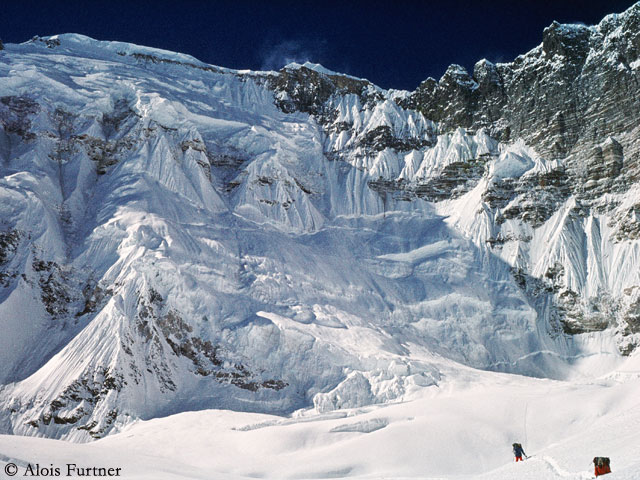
[{"x": 277, "y": 55}]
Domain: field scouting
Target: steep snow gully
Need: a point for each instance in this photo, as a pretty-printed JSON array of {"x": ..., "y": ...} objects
[{"x": 314, "y": 277}]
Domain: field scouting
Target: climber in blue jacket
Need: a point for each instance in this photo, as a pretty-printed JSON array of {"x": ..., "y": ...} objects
[{"x": 518, "y": 451}]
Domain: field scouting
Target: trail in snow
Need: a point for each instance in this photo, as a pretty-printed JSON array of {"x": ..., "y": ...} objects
[{"x": 563, "y": 473}]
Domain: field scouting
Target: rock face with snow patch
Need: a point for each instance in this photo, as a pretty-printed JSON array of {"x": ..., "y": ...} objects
[{"x": 179, "y": 236}]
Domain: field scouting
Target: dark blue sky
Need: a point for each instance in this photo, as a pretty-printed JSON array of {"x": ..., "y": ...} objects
[{"x": 394, "y": 44}]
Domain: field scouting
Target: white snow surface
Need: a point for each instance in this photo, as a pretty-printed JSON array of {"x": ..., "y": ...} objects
[
  {"x": 172, "y": 201},
  {"x": 461, "y": 430}
]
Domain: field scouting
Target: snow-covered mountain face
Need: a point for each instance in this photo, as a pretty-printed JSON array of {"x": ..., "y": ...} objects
[{"x": 178, "y": 236}]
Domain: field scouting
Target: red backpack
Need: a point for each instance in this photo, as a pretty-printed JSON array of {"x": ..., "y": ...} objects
[{"x": 602, "y": 465}]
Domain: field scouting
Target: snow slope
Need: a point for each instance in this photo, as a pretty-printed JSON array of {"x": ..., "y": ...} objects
[{"x": 462, "y": 429}]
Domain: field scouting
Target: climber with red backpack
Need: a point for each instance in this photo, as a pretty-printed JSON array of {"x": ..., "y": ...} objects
[{"x": 601, "y": 465}]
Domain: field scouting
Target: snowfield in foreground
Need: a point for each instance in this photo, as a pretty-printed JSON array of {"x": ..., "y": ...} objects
[{"x": 460, "y": 430}]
